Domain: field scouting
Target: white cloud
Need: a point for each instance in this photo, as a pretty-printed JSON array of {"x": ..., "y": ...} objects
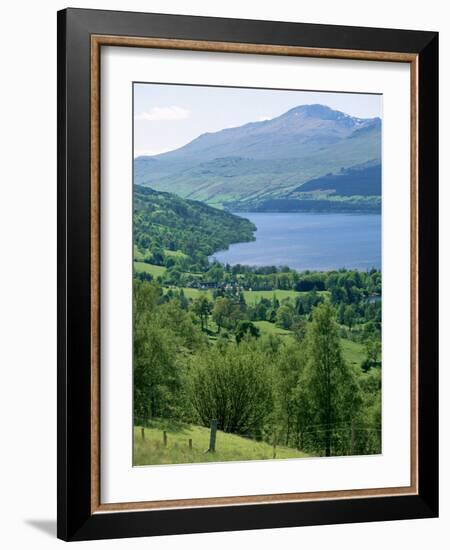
[{"x": 165, "y": 113}]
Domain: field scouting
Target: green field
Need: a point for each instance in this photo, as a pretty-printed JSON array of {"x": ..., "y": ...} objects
[
  {"x": 194, "y": 292},
  {"x": 154, "y": 270},
  {"x": 271, "y": 328},
  {"x": 151, "y": 449},
  {"x": 353, "y": 352},
  {"x": 174, "y": 253}
]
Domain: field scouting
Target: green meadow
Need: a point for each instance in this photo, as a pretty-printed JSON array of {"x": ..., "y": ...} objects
[
  {"x": 152, "y": 450},
  {"x": 153, "y": 270}
]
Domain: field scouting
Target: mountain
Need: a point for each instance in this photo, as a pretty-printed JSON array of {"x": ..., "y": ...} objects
[{"x": 251, "y": 165}]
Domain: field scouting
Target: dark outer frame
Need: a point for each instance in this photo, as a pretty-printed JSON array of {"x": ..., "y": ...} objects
[{"x": 77, "y": 519}]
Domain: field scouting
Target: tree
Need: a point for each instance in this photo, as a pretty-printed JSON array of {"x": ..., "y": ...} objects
[
  {"x": 246, "y": 328},
  {"x": 349, "y": 316},
  {"x": 221, "y": 312},
  {"x": 306, "y": 301},
  {"x": 202, "y": 307},
  {"x": 275, "y": 301},
  {"x": 330, "y": 384},
  {"x": 373, "y": 350},
  {"x": 162, "y": 329},
  {"x": 172, "y": 276},
  {"x": 184, "y": 302},
  {"x": 226, "y": 313},
  {"x": 285, "y": 316},
  {"x": 290, "y": 364},
  {"x": 155, "y": 374},
  {"x": 283, "y": 281},
  {"x": 261, "y": 309},
  {"x": 232, "y": 385},
  {"x": 156, "y": 377},
  {"x": 158, "y": 256},
  {"x": 241, "y": 303},
  {"x": 338, "y": 295},
  {"x": 215, "y": 273},
  {"x": 299, "y": 329},
  {"x": 146, "y": 296},
  {"x": 271, "y": 315},
  {"x": 178, "y": 323}
]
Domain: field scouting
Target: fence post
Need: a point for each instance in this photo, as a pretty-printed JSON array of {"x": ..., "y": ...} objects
[
  {"x": 190, "y": 444},
  {"x": 165, "y": 438},
  {"x": 212, "y": 437},
  {"x": 274, "y": 445},
  {"x": 143, "y": 434},
  {"x": 352, "y": 449}
]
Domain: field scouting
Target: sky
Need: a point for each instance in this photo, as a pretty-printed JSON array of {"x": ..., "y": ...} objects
[{"x": 167, "y": 116}]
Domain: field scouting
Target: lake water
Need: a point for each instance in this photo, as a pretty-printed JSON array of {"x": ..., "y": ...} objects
[{"x": 316, "y": 241}]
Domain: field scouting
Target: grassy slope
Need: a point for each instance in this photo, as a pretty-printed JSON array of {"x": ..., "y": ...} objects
[
  {"x": 271, "y": 328},
  {"x": 154, "y": 270},
  {"x": 353, "y": 352},
  {"x": 228, "y": 447}
]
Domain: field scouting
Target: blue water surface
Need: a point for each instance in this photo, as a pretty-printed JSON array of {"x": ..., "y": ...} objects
[{"x": 315, "y": 241}]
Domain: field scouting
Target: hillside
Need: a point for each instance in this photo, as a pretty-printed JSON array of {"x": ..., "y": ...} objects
[
  {"x": 362, "y": 180},
  {"x": 253, "y": 164},
  {"x": 151, "y": 449},
  {"x": 165, "y": 223}
]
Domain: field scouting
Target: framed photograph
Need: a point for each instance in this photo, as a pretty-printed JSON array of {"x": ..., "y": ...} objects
[{"x": 247, "y": 274}]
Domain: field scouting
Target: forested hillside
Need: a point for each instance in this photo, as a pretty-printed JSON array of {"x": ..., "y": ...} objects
[{"x": 165, "y": 222}]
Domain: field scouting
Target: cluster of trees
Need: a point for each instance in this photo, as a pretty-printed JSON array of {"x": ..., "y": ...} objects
[
  {"x": 356, "y": 295},
  {"x": 287, "y": 313},
  {"x": 295, "y": 391},
  {"x": 348, "y": 286},
  {"x": 359, "y": 321},
  {"x": 165, "y": 223}
]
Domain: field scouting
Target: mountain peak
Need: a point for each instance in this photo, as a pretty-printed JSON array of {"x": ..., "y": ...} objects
[{"x": 316, "y": 110}]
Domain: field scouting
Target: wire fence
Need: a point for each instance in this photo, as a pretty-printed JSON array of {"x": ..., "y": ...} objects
[{"x": 342, "y": 438}]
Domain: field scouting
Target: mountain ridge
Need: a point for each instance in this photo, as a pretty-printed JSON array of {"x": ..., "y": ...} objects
[{"x": 264, "y": 159}]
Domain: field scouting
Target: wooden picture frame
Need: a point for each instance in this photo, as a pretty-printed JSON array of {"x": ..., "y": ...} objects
[{"x": 81, "y": 35}]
